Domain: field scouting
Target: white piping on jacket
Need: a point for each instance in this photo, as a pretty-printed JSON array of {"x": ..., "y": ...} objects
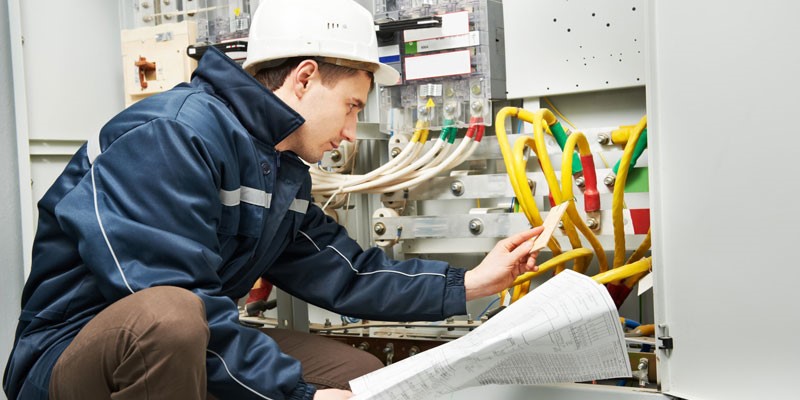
[
  {"x": 103, "y": 231},
  {"x": 388, "y": 271},
  {"x": 225, "y": 365}
]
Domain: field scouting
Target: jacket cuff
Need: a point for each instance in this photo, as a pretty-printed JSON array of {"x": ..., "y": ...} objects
[
  {"x": 303, "y": 391},
  {"x": 455, "y": 295}
]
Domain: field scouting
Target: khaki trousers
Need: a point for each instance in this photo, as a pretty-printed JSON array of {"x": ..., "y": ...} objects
[{"x": 152, "y": 345}]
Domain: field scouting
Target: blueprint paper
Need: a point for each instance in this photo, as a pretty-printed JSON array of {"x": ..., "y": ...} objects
[{"x": 566, "y": 330}]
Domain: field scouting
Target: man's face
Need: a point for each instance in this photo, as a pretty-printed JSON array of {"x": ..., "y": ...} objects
[{"x": 330, "y": 113}]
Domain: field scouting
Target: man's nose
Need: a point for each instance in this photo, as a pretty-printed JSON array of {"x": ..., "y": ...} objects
[{"x": 349, "y": 131}]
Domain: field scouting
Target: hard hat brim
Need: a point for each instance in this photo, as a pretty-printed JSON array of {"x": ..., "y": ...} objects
[{"x": 386, "y": 75}]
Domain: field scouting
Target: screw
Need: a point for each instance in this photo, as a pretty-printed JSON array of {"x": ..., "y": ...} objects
[
  {"x": 580, "y": 181},
  {"x": 166, "y": 2},
  {"x": 396, "y": 152},
  {"x": 450, "y": 108},
  {"x": 560, "y": 225},
  {"x": 363, "y": 346},
  {"x": 603, "y": 138},
  {"x": 336, "y": 155},
  {"x": 450, "y": 92},
  {"x": 610, "y": 179},
  {"x": 476, "y": 90},
  {"x": 457, "y": 187},
  {"x": 477, "y": 106},
  {"x": 592, "y": 223},
  {"x": 379, "y": 228},
  {"x": 147, "y": 18},
  {"x": 145, "y": 4},
  {"x": 413, "y": 351},
  {"x": 476, "y": 226},
  {"x": 167, "y": 16},
  {"x": 328, "y": 323},
  {"x": 422, "y": 111}
]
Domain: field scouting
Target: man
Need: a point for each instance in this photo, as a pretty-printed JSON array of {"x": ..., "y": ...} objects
[{"x": 183, "y": 200}]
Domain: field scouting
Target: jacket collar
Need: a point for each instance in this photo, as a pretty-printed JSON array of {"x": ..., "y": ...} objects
[{"x": 262, "y": 113}]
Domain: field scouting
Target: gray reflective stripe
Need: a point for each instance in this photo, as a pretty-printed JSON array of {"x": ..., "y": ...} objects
[
  {"x": 247, "y": 195},
  {"x": 93, "y": 148},
  {"x": 299, "y": 206},
  {"x": 257, "y": 197}
]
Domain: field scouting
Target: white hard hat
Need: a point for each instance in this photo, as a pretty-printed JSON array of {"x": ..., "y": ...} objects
[{"x": 339, "y": 29}]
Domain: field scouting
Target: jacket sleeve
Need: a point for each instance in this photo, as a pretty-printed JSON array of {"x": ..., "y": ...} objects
[
  {"x": 145, "y": 214},
  {"x": 329, "y": 269}
]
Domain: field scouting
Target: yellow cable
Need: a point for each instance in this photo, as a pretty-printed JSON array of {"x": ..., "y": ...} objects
[
  {"x": 624, "y": 271},
  {"x": 619, "y": 193},
  {"x": 566, "y": 191},
  {"x": 541, "y": 123},
  {"x": 555, "y": 110},
  {"x": 523, "y": 193},
  {"x": 637, "y": 255},
  {"x": 549, "y": 264}
]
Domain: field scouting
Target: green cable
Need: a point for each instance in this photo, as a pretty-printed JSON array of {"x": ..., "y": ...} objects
[
  {"x": 641, "y": 144},
  {"x": 561, "y": 138}
]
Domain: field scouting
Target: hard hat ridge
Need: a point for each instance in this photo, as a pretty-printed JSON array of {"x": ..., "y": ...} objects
[{"x": 334, "y": 29}]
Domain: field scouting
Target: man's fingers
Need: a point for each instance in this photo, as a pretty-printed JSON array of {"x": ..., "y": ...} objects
[{"x": 523, "y": 236}]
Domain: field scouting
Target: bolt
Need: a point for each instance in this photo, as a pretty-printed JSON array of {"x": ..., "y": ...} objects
[
  {"x": 168, "y": 16},
  {"x": 476, "y": 226},
  {"x": 413, "y": 351},
  {"x": 450, "y": 108},
  {"x": 560, "y": 225},
  {"x": 610, "y": 179},
  {"x": 603, "y": 138},
  {"x": 477, "y": 106},
  {"x": 457, "y": 187},
  {"x": 592, "y": 223},
  {"x": 396, "y": 152},
  {"x": 580, "y": 181},
  {"x": 147, "y": 18},
  {"x": 328, "y": 323},
  {"x": 450, "y": 92},
  {"x": 422, "y": 111},
  {"x": 363, "y": 346},
  {"x": 476, "y": 90},
  {"x": 166, "y": 2},
  {"x": 379, "y": 228},
  {"x": 336, "y": 155},
  {"x": 145, "y": 4}
]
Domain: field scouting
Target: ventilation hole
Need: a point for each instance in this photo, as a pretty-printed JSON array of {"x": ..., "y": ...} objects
[
  {"x": 580, "y": 46},
  {"x": 608, "y": 24},
  {"x": 635, "y": 40},
  {"x": 593, "y": 14},
  {"x": 576, "y": 85},
  {"x": 584, "y": 64},
  {"x": 637, "y": 79},
  {"x": 555, "y": 19},
  {"x": 548, "y": 88},
  {"x": 569, "y": 30},
  {"x": 620, "y": 60},
  {"x": 634, "y": 9},
  {"x": 606, "y": 82}
]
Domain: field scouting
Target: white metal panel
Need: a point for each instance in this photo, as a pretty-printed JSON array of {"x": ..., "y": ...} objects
[
  {"x": 72, "y": 62},
  {"x": 558, "y": 46},
  {"x": 11, "y": 259},
  {"x": 722, "y": 93}
]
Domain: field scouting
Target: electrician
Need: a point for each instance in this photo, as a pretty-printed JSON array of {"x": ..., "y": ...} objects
[{"x": 182, "y": 201}]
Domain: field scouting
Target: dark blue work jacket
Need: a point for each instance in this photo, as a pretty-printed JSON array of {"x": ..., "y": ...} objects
[{"x": 186, "y": 189}]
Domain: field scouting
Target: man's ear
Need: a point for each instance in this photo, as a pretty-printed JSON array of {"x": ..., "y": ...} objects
[{"x": 303, "y": 76}]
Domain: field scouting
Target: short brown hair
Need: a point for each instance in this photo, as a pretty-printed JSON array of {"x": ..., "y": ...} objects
[{"x": 330, "y": 71}]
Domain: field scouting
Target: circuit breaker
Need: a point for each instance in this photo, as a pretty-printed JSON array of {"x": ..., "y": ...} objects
[{"x": 451, "y": 58}]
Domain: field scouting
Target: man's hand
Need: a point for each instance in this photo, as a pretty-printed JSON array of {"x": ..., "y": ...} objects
[
  {"x": 507, "y": 260},
  {"x": 332, "y": 394}
]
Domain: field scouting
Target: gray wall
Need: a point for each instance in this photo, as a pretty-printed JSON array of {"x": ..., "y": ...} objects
[{"x": 11, "y": 244}]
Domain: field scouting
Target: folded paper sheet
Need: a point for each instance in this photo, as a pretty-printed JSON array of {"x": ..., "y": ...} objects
[{"x": 566, "y": 330}]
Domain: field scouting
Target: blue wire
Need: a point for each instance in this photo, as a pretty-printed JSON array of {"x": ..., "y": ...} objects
[{"x": 488, "y": 307}]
